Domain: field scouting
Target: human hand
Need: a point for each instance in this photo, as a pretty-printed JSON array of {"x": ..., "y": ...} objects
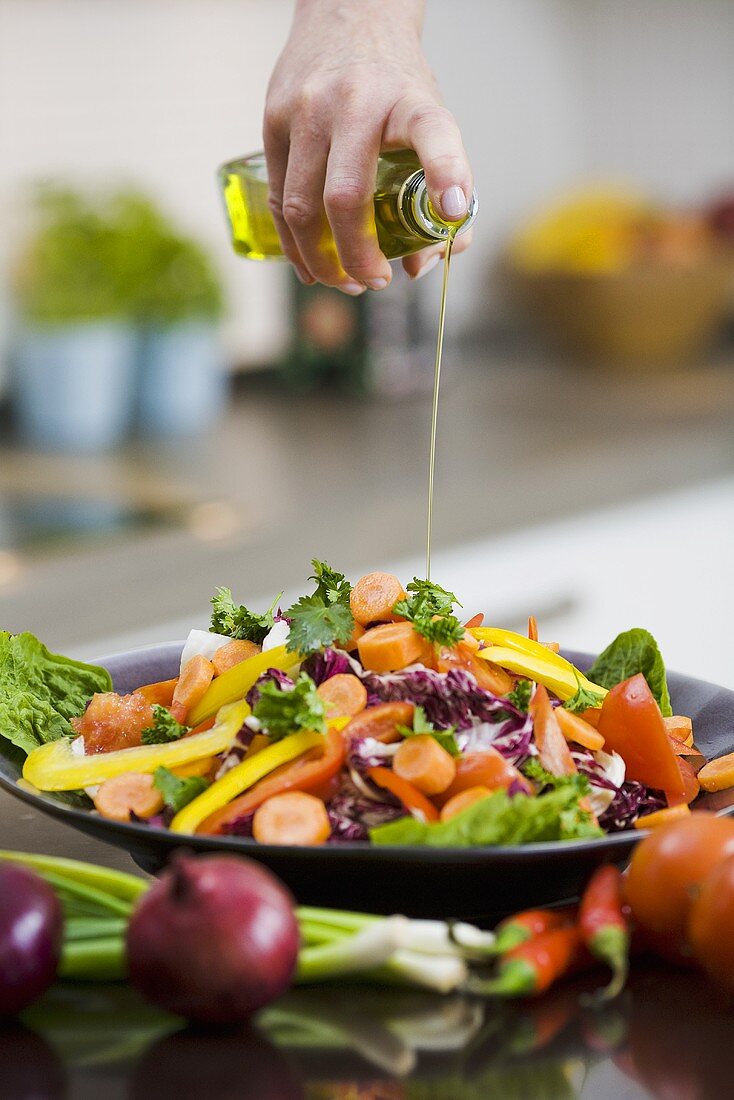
[{"x": 353, "y": 80}]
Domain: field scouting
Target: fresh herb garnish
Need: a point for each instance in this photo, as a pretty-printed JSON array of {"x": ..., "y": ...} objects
[
  {"x": 177, "y": 792},
  {"x": 583, "y": 699},
  {"x": 521, "y": 694},
  {"x": 237, "y": 621},
  {"x": 430, "y": 609},
  {"x": 165, "y": 728},
  {"x": 282, "y": 711},
  {"x": 446, "y": 738},
  {"x": 324, "y": 618},
  {"x": 631, "y": 652}
]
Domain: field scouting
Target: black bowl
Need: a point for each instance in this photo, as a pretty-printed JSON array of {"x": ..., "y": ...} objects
[{"x": 471, "y": 883}]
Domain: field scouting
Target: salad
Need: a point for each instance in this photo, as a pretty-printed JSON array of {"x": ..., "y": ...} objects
[{"x": 367, "y": 712}]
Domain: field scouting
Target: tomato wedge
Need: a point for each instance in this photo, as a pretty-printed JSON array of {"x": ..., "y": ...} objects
[
  {"x": 632, "y": 725},
  {"x": 488, "y": 675},
  {"x": 311, "y": 773},
  {"x": 487, "y": 768},
  {"x": 413, "y": 799},
  {"x": 553, "y": 750}
]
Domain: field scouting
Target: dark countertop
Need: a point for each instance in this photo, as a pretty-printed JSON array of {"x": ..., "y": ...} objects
[{"x": 668, "y": 1036}]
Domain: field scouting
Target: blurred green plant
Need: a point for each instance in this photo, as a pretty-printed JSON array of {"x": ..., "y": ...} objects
[{"x": 110, "y": 257}]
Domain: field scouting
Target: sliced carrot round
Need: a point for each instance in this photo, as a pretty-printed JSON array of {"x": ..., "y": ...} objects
[
  {"x": 391, "y": 646},
  {"x": 718, "y": 775},
  {"x": 373, "y": 597},
  {"x": 680, "y": 727},
  {"x": 233, "y": 653},
  {"x": 132, "y": 792},
  {"x": 344, "y": 695},
  {"x": 575, "y": 728},
  {"x": 380, "y": 722},
  {"x": 425, "y": 764},
  {"x": 463, "y": 800},
  {"x": 292, "y": 818},
  {"x": 196, "y": 676},
  {"x": 658, "y": 818}
]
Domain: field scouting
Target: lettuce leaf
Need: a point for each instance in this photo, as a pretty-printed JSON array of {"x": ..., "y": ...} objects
[
  {"x": 41, "y": 691},
  {"x": 500, "y": 819},
  {"x": 631, "y": 652}
]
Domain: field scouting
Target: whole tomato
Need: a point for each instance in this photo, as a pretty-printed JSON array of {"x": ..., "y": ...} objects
[
  {"x": 711, "y": 924},
  {"x": 666, "y": 873}
]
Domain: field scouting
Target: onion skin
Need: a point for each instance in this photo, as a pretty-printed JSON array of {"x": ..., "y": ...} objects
[
  {"x": 31, "y": 929},
  {"x": 213, "y": 940}
]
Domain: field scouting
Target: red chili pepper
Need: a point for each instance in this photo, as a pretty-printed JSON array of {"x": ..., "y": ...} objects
[
  {"x": 513, "y": 931},
  {"x": 534, "y": 966},
  {"x": 604, "y": 927}
]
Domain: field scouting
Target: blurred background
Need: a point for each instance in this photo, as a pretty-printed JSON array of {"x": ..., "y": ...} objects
[{"x": 175, "y": 417}]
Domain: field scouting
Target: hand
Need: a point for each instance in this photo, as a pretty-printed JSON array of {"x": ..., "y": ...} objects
[{"x": 353, "y": 80}]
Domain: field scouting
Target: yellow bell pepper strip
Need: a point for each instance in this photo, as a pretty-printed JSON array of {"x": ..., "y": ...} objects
[
  {"x": 237, "y": 681},
  {"x": 509, "y": 639},
  {"x": 54, "y": 767},
  {"x": 562, "y": 679},
  {"x": 242, "y": 776}
]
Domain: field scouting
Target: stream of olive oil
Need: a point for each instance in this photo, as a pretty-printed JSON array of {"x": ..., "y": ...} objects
[{"x": 436, "y": 387}]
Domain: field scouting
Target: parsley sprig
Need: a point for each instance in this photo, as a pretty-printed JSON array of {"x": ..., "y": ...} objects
[
  {"x": 421, "y": 724},
  {"x": 165, "y": 728},
  {"x": 324, "y": 618},
  {"x": 285, "y": 710},
  {"x": 237, "y": 621},
  {"x": 521, "y": 694},
  {"x": 583, "y": 699},
  {"x": 430, "y": 609}
]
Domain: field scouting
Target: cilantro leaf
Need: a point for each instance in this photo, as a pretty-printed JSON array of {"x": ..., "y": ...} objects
[
  {"x": 165, "y": 728},
  {"x": 177, "y": 792},
  {"x": 583, "y": 699},
  {"x": 315, "y": 625},
  {"x": 331, "y": 587},
  {"x": 285, "y": 710},
  {"x": 429, "y": 609},
  {"x": 237, "y": 621},
  {"x": 521, "y": 694},
  {"x": 631, "y": 652},
  {"x": 421, "y": 725}
]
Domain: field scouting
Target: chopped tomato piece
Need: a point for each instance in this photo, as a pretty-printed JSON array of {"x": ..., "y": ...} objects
[
  {"x": 113, "y": 721},
  {"x": 381, "y": 722},
  {"x": 413, "y": 799},
  {"x": 487, "y": 769},
  {"x": 632, "y": 725}
]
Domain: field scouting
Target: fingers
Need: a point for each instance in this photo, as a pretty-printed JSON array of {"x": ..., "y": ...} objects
[
  {"x": 276, "y": 145},
  {"x": 432, "y": 131},
  {"x": 420, "y": 263},
  {"x": 349, "y": 202}
]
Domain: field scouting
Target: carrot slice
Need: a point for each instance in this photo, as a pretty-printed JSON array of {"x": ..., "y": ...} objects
[
  {"x": 487, "y": 674},
  {"x": 196, "y": 676},
  {"x": 373, "y": 597},
  {"x": 718, "y": 775},
  {"x": 681, "y": 748},
  {"x": 160, "y": 693},
  {"x": 354, "y": 637},
  {"x": 554, "y": 753},
  {"x": 488, "y": 769},
  {"x": 380, "y": 722},
  {"x": 391, "y": 646},
  {"x": 292, "y": 818},
  {"x": 680, "y": 727},
  {"x": 425, "y": 764},
  {"x": 662, "y": 817},
  {"x": 195, "y": 767},
  {"x": 462, "y": 801},
  {"x": 413, "y": 799},
  {"x": 233, "y": 653},
  {"x": 475, "y": 621},
  {"x": 344, "y": 695},
  {"x": 132, "y": 792},
  {"x": 532, "y": 628},
  {"x": 592, "y": 716},
  {"x": 576, "y": 729}
]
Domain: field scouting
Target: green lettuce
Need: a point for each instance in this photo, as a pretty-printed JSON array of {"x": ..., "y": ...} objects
[
  {"x": 41, "y": 691},
  {"x": 500, "y": 819},
  {"x": 630, "y": 653}
]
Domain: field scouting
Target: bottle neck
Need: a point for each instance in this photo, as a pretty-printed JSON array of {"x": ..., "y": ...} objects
[{"x": 419, "y": 217}]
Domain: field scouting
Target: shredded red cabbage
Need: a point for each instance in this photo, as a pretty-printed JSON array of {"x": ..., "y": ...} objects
[
  {"x": 271, "y": 675},
  {"x": 448, "y": 698},
  {"x": 631, "y": 801},
  {"x": 352, "y": 814},
  {"x": 322, "y": 665}
]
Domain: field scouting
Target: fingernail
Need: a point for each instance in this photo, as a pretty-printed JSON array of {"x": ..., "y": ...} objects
[
  {"x": 427, "y": 266},
  {"x": 453, "y": 203},
  {"x": 352, "y": 288},
  {"x": 305, "y": 278},
  {"x": 377, "y": 284}
]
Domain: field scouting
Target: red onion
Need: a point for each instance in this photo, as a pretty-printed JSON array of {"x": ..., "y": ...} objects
[
  {"x": 31, "y": 927},
  {"x": 214, "y": 939}
]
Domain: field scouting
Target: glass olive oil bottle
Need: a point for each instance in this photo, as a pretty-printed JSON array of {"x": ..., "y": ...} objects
[{"x": 404, "y": 218}]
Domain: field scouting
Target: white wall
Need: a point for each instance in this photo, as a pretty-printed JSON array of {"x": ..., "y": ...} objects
[{"x": 160, "y": 91}]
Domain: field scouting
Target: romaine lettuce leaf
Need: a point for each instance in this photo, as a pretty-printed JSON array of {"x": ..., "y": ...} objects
[
  {"x": 631, "y": 652},
  {"x": 41, "y": 691},
  {"x": 500, "y": 819}
]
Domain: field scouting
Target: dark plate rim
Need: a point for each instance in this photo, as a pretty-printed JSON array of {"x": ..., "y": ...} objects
[{"x": 614, "y": 842}]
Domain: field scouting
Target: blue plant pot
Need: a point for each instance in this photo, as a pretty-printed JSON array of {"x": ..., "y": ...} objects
[
  {"x": 182, "y": 378},
  {"x": 72, "y": 385}
]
